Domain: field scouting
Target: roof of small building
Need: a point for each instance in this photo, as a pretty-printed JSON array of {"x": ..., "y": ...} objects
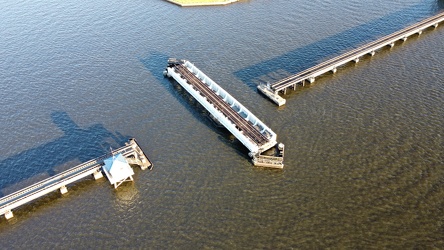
[{"x": 118, "y": 168}]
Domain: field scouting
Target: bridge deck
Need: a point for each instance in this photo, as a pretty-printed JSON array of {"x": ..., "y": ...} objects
[
  {"x": 23, "y": 196},
  {"x": 354, "y": 55},
  {"x": 244, "y": 125},
  {"x": 229, "y": 112}
]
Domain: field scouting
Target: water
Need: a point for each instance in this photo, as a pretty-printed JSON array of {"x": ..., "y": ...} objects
[{"x": 364, "y": 147}]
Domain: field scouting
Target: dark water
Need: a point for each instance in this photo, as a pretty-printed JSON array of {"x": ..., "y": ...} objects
[{"x": 364, "y": 147}]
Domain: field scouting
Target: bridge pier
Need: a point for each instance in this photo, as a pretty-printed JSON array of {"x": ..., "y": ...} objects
[
  {"x": 63, "y": 190},
  {"x": 404, "y": 39},
  {"x": 356, "y": 60},
  {"x": 372, "y": 53},
  {"x": 97, "y": 175},
  {"x": 392, "y": 45},
  {"x": 9, "y": 215},
  {"x": 419, "y": 32},
  {"x": 311, "y": 79},
  {"x": 334, "y": 70},
  {"x": 435, "y": 25}
]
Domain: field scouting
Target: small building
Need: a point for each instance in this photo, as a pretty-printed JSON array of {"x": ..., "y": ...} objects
[{"x": 118, "y": 170}]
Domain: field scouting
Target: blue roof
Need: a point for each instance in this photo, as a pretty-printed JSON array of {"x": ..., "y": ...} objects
[{"x": 109, "y": 162}]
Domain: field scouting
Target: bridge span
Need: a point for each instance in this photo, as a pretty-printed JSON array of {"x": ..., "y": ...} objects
[
  {"x": 226, "y": 110},
  {"x": 272, "y": 90},
  {"x": 131, "y": 151}
]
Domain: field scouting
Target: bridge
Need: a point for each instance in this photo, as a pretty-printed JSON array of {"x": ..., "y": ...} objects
[
  {"x": 131, "y": 151},
  {"x": 272, "y": 90},
  {"x": 226, "y": 110}
]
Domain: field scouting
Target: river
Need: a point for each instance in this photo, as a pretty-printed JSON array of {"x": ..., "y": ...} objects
[{"x": 364, "y": 163}]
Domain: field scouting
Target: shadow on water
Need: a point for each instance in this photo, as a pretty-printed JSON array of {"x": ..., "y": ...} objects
[
  {"x": 156, "y": 64},
  {"x": 77, "y": 144},
  {"x": 440, "y": 4},
  {"x": 317, "y": 52}
]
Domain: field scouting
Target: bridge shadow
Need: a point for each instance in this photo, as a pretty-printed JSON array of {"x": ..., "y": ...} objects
[
  {"x": 440, "y": 4},
  {"x": 156, "y": 64},
  {"x": 296, "y": 60},
  {"x": 76, "y": 145}
]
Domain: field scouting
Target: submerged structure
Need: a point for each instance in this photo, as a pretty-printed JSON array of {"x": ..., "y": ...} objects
[{"x": 226, "y": 110}]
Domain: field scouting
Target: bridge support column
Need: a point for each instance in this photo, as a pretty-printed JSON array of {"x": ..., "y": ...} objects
[
  {"x": 435, "y": 25},
  {"x": 294, "y": 86},
  {"x": 419, "y": 32},
  {"x": 303, "y": 83},
  {"x": 334, "y": 70},
  {"x": 356, "y": 60},
  {"x": 285, "y": 91},
  {"x": 311, "y": 79},
  {"x": 392, "y": 45},
  {"x": 404, "y": 39},
  {"x": 372, "y": 53},
  {"x": 97, "y": 175},
  {"x": 9, "y": 215},
  {"x": 63, "y": 190}
]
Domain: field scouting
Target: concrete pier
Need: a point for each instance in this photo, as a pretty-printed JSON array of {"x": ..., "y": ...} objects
[
  {"x": 354, "y": 55},
  {"x": 131, "y": 151}
]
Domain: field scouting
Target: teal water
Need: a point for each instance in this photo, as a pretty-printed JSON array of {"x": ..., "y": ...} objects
[{"x": 364, "y": 147}]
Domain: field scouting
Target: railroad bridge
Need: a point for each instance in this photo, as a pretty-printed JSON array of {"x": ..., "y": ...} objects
[
  {"x": 226, "y": 110},
  {"x": 272, "y": 90},
  {"x": 132, "y": 152}
]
